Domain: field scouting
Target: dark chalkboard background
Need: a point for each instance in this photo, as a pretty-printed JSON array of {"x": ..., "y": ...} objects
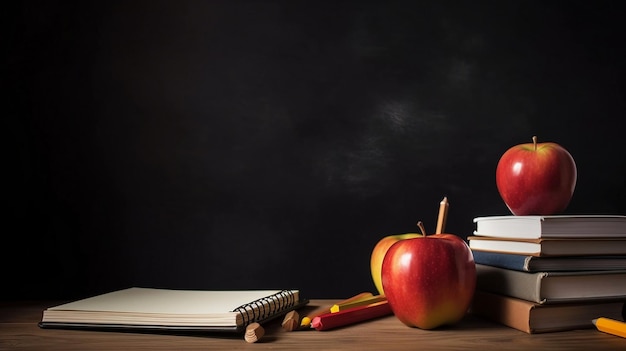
[{"x": 271, "y": 144}]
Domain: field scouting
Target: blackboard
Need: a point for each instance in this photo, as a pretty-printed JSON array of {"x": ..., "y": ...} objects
[{"x": 270, "y": 144}]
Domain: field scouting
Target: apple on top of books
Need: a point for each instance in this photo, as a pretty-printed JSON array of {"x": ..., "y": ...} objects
[
  {"x": 428, "y": 280},
  {"x": 536, "y": 178}
]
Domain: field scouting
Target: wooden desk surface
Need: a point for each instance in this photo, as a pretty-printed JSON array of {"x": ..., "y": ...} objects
[{"x": 19, "y": 331}]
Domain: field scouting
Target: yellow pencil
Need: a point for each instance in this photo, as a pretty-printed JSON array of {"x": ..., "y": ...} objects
[
  {"x": 610, "y": 326},
  {"x": 361, "y": 302}
]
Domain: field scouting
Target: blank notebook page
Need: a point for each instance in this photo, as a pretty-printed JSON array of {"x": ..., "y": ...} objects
[{"x": 146, "y": 300}]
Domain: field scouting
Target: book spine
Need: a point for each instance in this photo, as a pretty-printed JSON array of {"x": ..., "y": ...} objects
[
  {"x": 267, "y": 307},
  {"x": 503, "y": 260}
]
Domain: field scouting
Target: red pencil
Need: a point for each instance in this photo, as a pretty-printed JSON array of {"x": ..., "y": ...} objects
[
  {"x": 351, "y": 316},
  {"x": 306, "y": 321}
]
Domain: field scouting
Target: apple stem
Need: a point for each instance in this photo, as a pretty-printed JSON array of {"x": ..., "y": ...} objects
[
  {"x": 422, "y": 228},
  {"x": 535, "y": 142}
]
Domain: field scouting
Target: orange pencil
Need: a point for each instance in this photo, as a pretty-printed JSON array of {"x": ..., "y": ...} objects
[
  {"x": 610, "y": 326},
  {"x": 354, "y": 315},
  {"x": 306, "y": 321}
]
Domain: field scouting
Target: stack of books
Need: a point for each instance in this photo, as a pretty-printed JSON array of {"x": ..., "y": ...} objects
[{"x": 542, "y": 274}]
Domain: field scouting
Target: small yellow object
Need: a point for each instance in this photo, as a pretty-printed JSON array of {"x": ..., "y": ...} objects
[
  {"x": 305, "y": 322},
  {"x": 610, "y": 326},
  {"x": 361, "y": 302},
  {"x": 254, "y": 332}
]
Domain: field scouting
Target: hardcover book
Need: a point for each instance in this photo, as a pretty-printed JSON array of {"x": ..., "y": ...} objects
[
  {"x": 550, "y": 247},
  {"x": 535, "y": 318},
  {"x": 178, "y": 310},
  {"x": 552, "y": 287},
  {"x": 558, "y": 226},
  {"x": 527, "y": 263}
]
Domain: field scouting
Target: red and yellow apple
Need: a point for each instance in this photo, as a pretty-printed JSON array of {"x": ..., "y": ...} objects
[
  {"x": 536, "y": 178},
  {"x": 378, "y": 254},
  {"x": 429, "y": 281}
]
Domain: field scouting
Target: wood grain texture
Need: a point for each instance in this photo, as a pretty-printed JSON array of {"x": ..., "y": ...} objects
[{"x": 19, "y": 331}]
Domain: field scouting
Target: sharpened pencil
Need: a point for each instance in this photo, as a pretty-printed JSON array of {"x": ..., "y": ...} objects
[
  {"x": 306, "y": 321},
  {"x": 351, "y": 316},
  {"x": 443, "y": 215},
  {"x": 361, "y": 302}
]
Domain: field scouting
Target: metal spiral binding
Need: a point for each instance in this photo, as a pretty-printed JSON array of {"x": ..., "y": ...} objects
[{"x": 266, "y": 307}]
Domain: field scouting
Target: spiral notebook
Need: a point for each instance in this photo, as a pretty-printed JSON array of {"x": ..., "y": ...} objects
[{"x": 152, "y": 309}]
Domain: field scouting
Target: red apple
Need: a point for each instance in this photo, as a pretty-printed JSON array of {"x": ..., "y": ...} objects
[
  {"x": 536, "y": 179},
  {"x": 378, "y": 254},
  {"x": 429, "y": 281}
]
